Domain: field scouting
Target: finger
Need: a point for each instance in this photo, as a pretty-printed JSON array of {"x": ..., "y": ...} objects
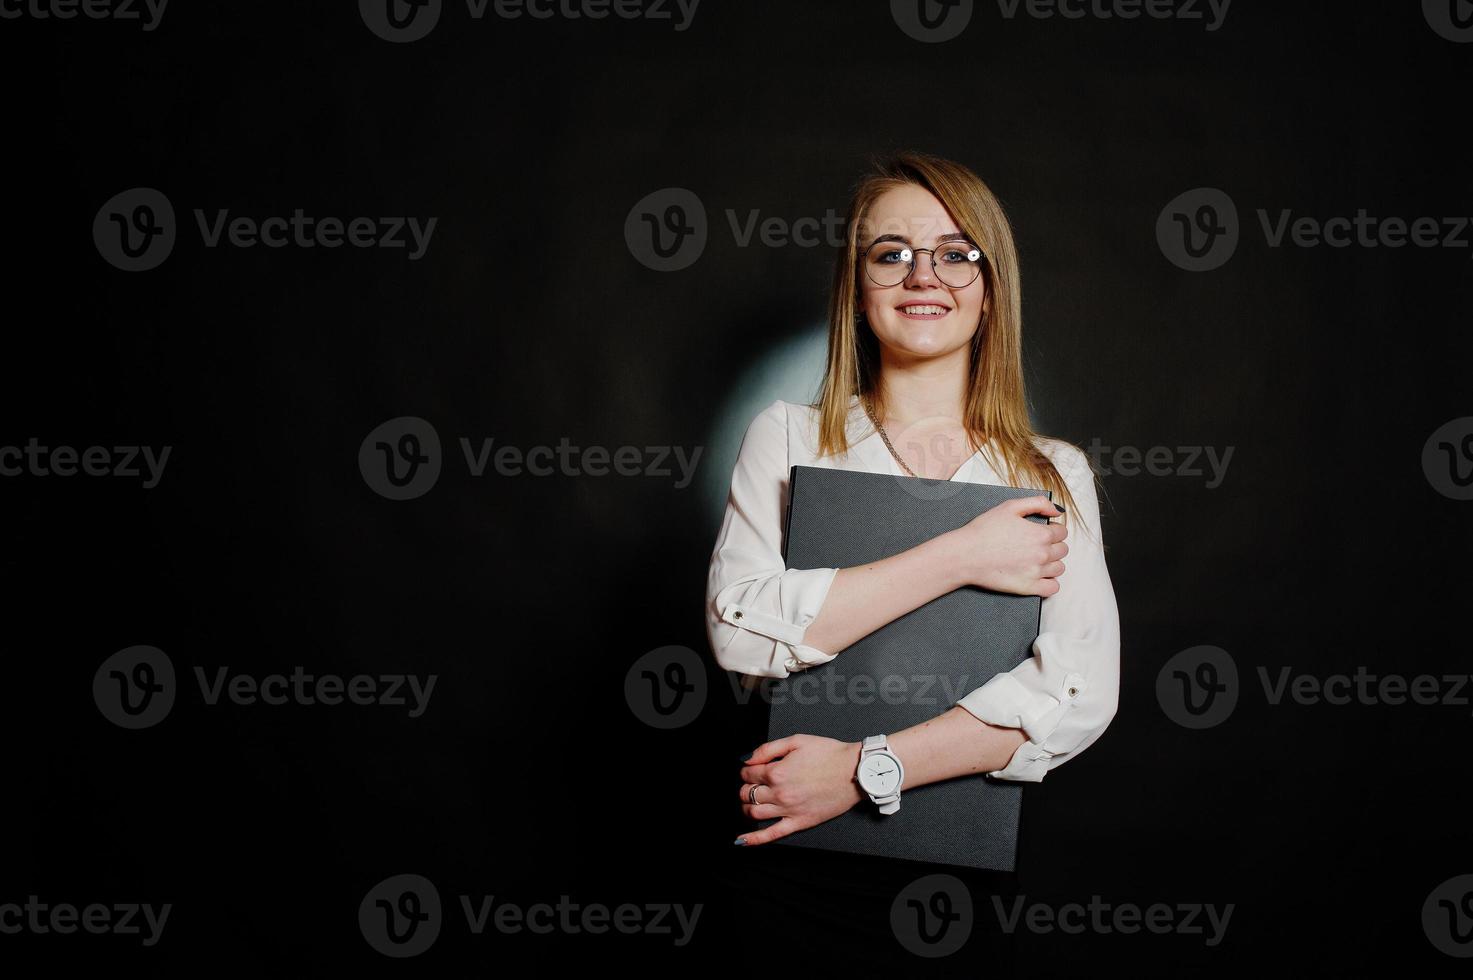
[
  {"x": 1035, "y": 505},
  {"x": 1052, "y": 569},
  {"x": 1057, "y": 551},
  {"x": 1047, "y": 587},
  {"x": 1056, "y": 532},
  {"x": 762, "y": 811},
  {"x": 764, "y": 793},
  {"x": 756, "y": 774},
  {"x": 766, "y": 835},
  {"x": 768, "y": 751}
]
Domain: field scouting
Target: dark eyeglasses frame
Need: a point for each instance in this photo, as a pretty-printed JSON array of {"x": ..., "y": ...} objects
[{"x": 914, "y": 252}]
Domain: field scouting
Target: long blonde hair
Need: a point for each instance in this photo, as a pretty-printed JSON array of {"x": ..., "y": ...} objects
[{"x": 996, "y": 407}]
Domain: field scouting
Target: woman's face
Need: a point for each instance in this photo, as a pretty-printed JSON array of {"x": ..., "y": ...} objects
[{"x": 920, "y": 316}]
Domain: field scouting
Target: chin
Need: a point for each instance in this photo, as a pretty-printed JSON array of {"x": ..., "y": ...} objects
[{"x": 923, "y": 340}]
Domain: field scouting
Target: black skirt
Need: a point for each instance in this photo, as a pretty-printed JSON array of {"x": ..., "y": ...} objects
[{"x": 827, "y": 909}]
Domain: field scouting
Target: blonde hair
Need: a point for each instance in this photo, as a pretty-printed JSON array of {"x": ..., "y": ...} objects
[{"x": 996, "y": 407}]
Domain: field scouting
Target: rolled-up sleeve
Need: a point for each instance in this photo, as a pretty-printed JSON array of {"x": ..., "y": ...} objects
[
  {"x": 1065, "y": 695},
  {"x": 757, "y": 609}
]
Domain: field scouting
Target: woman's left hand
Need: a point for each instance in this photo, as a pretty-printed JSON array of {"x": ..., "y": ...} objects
[{"x": 804, "y": 779}]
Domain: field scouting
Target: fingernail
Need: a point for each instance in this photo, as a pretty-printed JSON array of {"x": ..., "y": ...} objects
[
  {"x": 1060, "y": 506},
  {"x": 739, "y": 842},
  {"x": 747, "y": 756}
]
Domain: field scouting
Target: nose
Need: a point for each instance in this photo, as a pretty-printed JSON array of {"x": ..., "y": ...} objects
[{"x": 923, "y": 274}]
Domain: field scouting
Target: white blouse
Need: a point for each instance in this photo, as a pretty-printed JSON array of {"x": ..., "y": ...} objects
[{"x": 757, "y": 610}]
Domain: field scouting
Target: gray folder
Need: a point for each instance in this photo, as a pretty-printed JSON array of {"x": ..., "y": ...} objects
[{"x": 908, "y": 671}]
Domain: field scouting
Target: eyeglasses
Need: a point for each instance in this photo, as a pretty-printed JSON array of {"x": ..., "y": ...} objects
[{"x": 956, "y": 264}]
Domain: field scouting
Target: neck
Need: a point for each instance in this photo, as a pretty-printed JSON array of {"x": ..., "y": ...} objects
[{"x": 916, "y": 388}]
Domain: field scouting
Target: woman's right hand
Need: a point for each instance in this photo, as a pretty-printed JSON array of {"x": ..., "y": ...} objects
[{"x": 1000, "y": 550}]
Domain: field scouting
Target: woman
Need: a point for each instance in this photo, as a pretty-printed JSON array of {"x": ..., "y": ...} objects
[{"x": 924, "y": 378}]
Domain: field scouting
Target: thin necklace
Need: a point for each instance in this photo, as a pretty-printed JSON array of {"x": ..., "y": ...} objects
[{"x": 885, "y": 436}]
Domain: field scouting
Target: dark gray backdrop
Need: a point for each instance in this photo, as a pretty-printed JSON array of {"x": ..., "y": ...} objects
[{"x": 533, "y": 316}]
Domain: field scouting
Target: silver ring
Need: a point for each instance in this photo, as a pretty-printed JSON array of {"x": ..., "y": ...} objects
[{"x": 753, "y": 794}]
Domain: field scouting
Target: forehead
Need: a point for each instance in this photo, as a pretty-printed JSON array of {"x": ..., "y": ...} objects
[{"x": 910, "y": 211}]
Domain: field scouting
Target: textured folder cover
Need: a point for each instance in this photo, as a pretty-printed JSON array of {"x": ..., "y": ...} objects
[{"x": 909, "y": 670}]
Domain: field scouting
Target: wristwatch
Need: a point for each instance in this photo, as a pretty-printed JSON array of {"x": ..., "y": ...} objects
[{"x": 880, "y": 773}]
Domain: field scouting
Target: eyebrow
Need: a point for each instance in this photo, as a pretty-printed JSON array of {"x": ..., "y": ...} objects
[{"x": 945, "y": 236}]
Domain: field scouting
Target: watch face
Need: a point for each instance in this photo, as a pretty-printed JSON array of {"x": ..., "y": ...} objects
[{"x": 879, "y": 774}]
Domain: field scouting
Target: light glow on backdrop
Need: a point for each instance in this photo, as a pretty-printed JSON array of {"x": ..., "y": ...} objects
[{"x": 792, "y": 370}]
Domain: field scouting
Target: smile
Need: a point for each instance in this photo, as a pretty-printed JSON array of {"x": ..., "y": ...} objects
[{"x": 923, "y": 310}]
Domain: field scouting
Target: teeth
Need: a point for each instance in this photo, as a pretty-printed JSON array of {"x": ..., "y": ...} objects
[{"x": 923, "y": 310}]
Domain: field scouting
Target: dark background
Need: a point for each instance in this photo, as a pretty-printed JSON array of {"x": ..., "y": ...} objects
[{"x": 529, "y": 320}]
